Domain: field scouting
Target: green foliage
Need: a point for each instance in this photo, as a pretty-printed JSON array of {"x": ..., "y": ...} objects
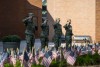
[
  {"x": 18, "y": 64},
  {"x": 96, "y": 58},
  {"x": 8, "y": 65},
  {"x": 11, "y": 38},
  {"x": 54, "y": 64},
  {"x": 37, "y": 65},
  {"x": 62, "y": 63},
  {"x": 88, "y": 59},
  {"x": 40, "y": 59}
]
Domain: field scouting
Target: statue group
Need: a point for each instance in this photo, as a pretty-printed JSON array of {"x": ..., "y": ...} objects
[{"x": 31, "y": 27}]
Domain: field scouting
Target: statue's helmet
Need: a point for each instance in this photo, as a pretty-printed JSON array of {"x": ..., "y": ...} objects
[{"x": 30, "y": 14}]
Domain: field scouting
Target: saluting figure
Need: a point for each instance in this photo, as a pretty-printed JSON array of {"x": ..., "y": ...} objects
[
  {"x": 68, "y": 34},
  {"x": 44, "y": 34},
  {"x": 31, "y": 27},
  {"x": 58, "y": 33}
]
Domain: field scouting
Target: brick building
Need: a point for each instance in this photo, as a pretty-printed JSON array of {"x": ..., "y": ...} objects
[
  {"x": 13, "y": 11},
  {"x": 85, "y": 16}
]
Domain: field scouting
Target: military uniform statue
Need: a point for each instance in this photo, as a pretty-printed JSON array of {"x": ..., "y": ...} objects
[
  {"x": 44, "y": 34},
  {"x": 30, "y": 30},
  {"x": 58, "y": 33},
  {"x": 68, "y": 34}
]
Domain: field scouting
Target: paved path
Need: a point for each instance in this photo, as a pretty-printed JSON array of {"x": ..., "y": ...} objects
[
  {"x": 1, "y": 47},
  {"x": 23, "y": 45},
  {"x": 37, "y": 44}
]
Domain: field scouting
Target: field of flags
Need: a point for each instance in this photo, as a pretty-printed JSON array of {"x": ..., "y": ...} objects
[{"x": 46, "y": 56}]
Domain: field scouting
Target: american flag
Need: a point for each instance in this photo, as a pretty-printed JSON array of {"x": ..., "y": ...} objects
[
  {"x": 2, "y": 60},
  {"x": 93, "y": 51},
  {"x": 32, "y": 60},
  {"x": 36, "y": 59},
  {"x": 21, "y": 57},
  {"x": 99, "y": 51},
  {"x": 54, "y": 55},
  {"x": 66, "y": 54},
  {"x": 30, "y": 55},
  {"x": 71, "y": 60},
  {"x": 13, "y": 60},
  {"x": 80, "y": 52},
  {"x": 46, "y": 61},
  {"x": 41, "y": 54},
  {"x": 1, "y": 64},
  {"x": 9, "y": 59}
]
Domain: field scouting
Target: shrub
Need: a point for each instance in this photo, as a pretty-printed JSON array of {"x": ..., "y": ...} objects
[
  {"x": 62, "y": 63},
  {"x": 96, "y": 58},
  {"x": 54, "y": 64},
  {"x": 18, "y": 64},
  {"x": 8, "y": 65},
  {"x": 88, "y": 59},
  {"x": 37, "y": 65},
  {"x": 11, "y": 38}
]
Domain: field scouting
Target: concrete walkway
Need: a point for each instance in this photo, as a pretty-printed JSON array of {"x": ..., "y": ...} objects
[
  {"x": 23, "y": 45},
  {"x": 1, "y": 47}
]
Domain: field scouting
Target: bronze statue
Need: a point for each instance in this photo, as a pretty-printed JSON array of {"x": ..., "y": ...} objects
[
  {"x": 68, "y": 34},
  {"x": 58, "y": 33},
  {"x": 31, "y": 27},
  {"x": 44, "y": 34}
]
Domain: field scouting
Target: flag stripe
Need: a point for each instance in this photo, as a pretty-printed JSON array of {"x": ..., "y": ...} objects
[{"x": 70, "y": 60}]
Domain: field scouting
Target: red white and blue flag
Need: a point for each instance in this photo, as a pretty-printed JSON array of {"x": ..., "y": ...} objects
[
  {"x": 46, "y": 61},
  {"x": 54, "y": 55},
  {"x": 71, "y": 60},
  {"x": 41, "y": 54}
]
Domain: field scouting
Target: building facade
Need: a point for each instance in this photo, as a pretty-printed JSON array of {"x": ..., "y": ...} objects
[
  {"x": 13, "y": 11},
  {"x": 85, "y": 16}
]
